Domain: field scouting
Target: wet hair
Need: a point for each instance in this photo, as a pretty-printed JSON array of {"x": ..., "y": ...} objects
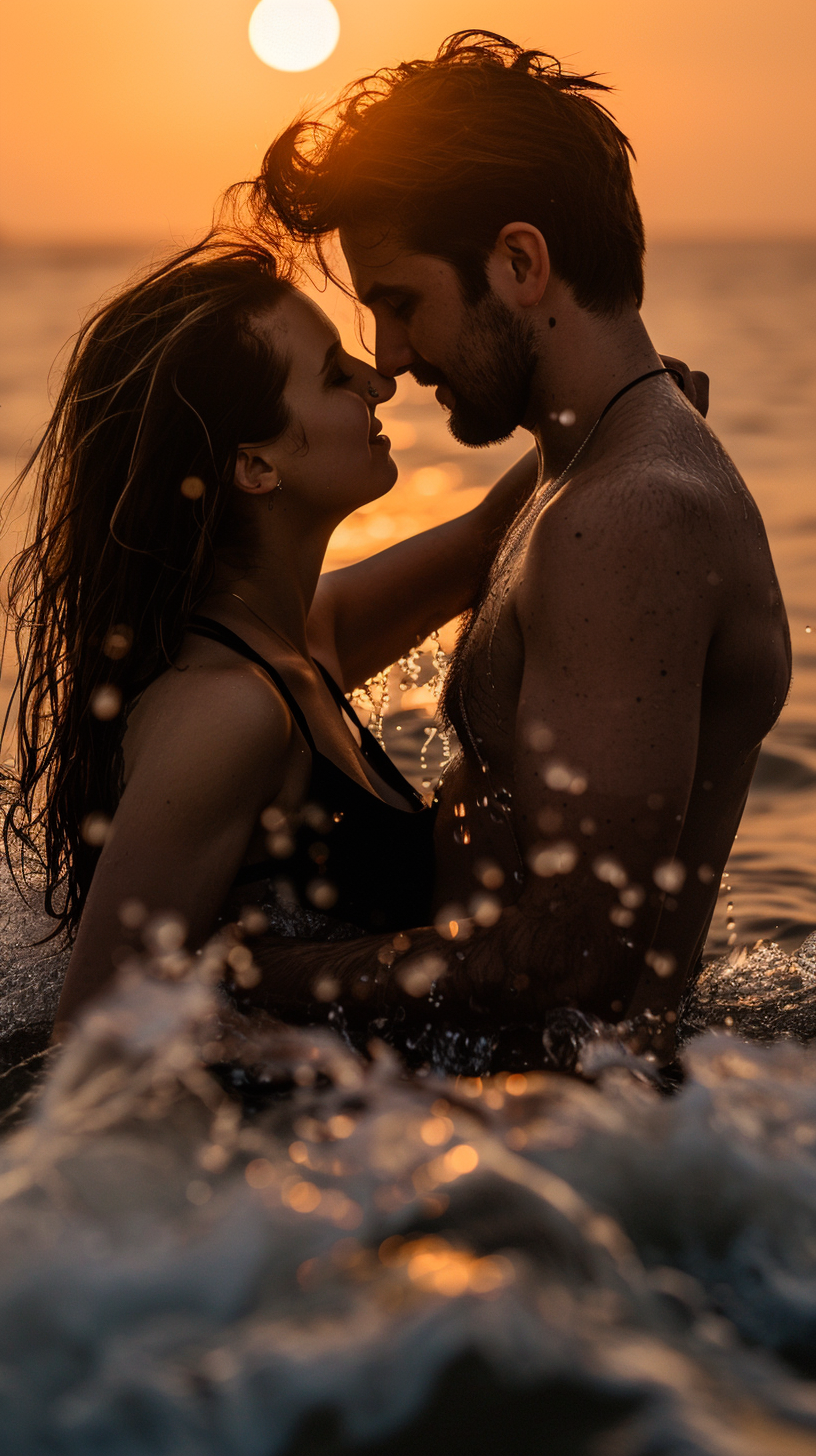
[
  {"x": 447, "y": 151},
  {"x": 130, "y": 487}
]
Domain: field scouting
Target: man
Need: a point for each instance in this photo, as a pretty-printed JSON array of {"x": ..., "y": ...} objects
[{"x": 630, "y": 650}]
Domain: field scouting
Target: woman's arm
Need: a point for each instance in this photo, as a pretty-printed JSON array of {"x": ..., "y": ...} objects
[
  {"x": 213, "y": 746},
  {"x": 369, "y": 614}
]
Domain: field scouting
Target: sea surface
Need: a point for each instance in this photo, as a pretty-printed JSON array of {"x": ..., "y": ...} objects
[
  {"x": 743, "y": 311},
  {"x": 366, "y": 1264}
]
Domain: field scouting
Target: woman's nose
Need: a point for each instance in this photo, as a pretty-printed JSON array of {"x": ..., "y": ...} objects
[{"x": 385, "y": 386}]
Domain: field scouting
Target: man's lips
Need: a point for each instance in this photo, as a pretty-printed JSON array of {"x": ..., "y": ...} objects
[{"x": 445, "y": 396}]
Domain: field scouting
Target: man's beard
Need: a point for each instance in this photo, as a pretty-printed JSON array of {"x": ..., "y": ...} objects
[{"x": 495, "y": 362}]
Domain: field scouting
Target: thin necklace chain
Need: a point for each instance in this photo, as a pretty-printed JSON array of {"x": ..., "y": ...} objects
[
  {"x": 502, "y": 798},
  {"x": 266, "y": 624}
]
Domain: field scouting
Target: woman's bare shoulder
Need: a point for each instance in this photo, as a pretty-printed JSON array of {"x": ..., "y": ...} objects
[{"x": 207, "y": 713}]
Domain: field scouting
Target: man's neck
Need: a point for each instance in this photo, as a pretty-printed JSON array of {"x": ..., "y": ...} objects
[{"x": 584, "y": 359}]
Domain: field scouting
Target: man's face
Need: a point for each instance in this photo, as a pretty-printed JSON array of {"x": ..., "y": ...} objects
[{"x": 481, "y": 357}]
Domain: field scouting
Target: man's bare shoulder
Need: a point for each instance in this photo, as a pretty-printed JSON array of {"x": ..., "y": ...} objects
[{"x": 631, "y": 512}]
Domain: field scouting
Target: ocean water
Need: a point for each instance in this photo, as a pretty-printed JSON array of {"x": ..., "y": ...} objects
[
  {"x": 376, "y": 1266},
  {"x": 743, "y": 311}
]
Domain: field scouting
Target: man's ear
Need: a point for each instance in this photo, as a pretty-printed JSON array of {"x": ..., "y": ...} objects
[
  {"x": 255, "y": 471},
  {"x": 519, "y": 266}
]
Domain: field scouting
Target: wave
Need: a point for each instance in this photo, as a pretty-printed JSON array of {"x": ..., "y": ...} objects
[{"x": 383, "y": 1263}]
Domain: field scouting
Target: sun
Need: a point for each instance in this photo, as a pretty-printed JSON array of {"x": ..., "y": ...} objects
[{"x": 294, "y": 35}]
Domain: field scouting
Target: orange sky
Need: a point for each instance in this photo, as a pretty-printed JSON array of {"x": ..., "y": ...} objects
[{"x": 126, "y": 118}]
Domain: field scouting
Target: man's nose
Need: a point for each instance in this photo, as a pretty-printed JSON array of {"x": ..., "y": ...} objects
[{"x": 392, "y": 349}]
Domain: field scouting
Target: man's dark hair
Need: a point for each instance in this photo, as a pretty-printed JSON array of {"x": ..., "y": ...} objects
[{"x": 447, "y": 151}]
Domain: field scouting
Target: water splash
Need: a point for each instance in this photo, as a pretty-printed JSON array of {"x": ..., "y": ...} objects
[{"x": 408, "y": 1262}]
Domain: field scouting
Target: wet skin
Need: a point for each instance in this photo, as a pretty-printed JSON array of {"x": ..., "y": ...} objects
[
  {"x": 641, "y": 652},
  {"x": 638, "y": 639}
]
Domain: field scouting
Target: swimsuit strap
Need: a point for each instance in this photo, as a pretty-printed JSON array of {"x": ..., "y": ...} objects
[
  {"x": 371, "y": 749},
  {"x": 339, "y": 696},
  {"x": 217, "y": 632}
]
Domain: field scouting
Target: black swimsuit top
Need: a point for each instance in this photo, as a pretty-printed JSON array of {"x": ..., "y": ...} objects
[{"x": 348, "y": 853}]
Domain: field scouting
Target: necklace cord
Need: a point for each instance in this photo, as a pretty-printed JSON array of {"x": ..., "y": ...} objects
[
  {"x": 651, "y": 374},
  {"x": 503, "y": 558}
]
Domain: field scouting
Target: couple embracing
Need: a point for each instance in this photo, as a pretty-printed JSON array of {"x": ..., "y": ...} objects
[{"x": 185, "y": 660}]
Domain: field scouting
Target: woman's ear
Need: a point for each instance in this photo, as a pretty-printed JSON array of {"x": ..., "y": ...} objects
[
  {"x": 255, "y": 471},
  {"x": 519, "y": 266}
]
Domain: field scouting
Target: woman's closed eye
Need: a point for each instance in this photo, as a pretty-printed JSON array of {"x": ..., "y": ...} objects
[{"x": 338, "y": 376}]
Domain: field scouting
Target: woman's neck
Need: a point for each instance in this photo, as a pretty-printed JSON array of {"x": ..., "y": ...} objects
[{"x": 276, "y": 575}]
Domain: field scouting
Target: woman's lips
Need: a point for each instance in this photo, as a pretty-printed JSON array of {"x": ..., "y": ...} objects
[{"x": 378, "y": 438}]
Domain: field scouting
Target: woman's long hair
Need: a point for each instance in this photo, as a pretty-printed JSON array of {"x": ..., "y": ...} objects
[{"x": 131, "y": 482}]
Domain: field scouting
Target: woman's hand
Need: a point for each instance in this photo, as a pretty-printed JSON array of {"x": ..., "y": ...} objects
[{"x": 695, "y": 383}]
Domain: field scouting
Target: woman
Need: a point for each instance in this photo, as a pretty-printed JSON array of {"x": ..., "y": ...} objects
[{"x": 184, "y": 742}]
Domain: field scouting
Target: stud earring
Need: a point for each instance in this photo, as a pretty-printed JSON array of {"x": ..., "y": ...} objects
[
  {"x": 375, "y": 393},
  {"x": 270, "y": 502}
]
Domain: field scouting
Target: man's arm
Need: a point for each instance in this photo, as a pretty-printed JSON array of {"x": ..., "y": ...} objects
[{"x": 614, "y": 617}]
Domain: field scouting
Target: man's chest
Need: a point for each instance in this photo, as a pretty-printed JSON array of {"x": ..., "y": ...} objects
[{"x": 483, "y": 693}]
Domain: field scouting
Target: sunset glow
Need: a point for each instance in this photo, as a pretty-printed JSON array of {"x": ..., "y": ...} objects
[{"x": 146, "y": 113}]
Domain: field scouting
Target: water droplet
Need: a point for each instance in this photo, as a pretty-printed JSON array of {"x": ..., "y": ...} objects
[
  {"x": 610, "y": 871},
  {"x": 132, "y": 914},
  {"x": 326, "y": 988},
  {"x": 621, "y": 917},
  {"x": 490, "y": 874},
  {"x": 553, "y": 859},
  {"x": 322, "y": 894},
  {"x": 106, "y": 702},
  {"x": 192, "y": 487},
  {"x": 485, "y": 909},
  {"x": 118, "y": 642},
  {"x": 95, "y": 829},
  {"x": 669, "y": 875},
  {"x": 633, "y": 897},
  {"x": 557, "y": 775},
  {"x": 663, "y": 963},
  {"x": 540, "y": 737}
]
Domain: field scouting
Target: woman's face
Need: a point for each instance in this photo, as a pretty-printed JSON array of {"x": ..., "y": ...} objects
[{"x": 334, "y": 456}]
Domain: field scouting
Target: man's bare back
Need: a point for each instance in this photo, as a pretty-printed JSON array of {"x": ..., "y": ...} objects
[{"x": 581, "y": 758}]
